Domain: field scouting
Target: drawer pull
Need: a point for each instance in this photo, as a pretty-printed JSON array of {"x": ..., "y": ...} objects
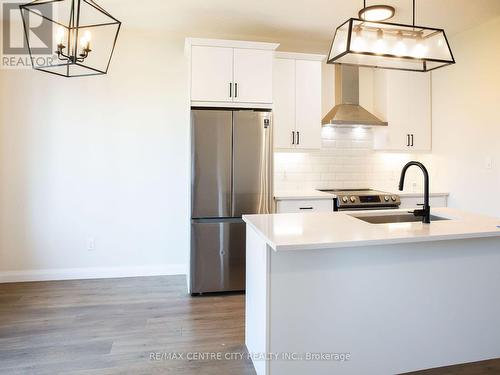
[{"x": 306, "y": 208}]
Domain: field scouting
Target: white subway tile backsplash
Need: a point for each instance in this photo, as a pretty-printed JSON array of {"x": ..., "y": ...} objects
[
  {"x": 329, "y": 143},
  {"x": 346, "y": 160},
  {"x": 343, "y": 144}
]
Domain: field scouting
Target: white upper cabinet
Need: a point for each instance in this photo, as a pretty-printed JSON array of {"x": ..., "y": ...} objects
[
  {"x": 211, "y": 73},
  {"x": 253, "y": 76},
  {"x": 308, "y": 103},
  {"x": 420, "y": 110},
  {"x": 297, "y": 101},
  {"x": 231, "y": 73},
  {"x": 403, "y": 99},
  {"x": 284, "y": 103}
]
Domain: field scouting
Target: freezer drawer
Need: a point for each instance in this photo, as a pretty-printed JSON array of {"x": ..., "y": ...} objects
[
  {"x": 217, "y": 255},
  {"x": 211, "y": 133}
]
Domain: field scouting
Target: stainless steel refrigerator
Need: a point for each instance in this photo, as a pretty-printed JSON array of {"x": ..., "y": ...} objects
[{"x": 231, "y": 174}]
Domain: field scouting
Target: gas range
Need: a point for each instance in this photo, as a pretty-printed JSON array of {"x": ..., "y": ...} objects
[{"x": 363, "y": 199}]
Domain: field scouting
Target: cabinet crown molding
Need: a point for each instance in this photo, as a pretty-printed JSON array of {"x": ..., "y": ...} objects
[
  {"x": 189, "y": 42},
  {"x": 299, "y": 56}
]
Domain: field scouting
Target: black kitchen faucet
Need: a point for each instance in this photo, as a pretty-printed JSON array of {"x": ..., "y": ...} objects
[{"x": 425, "y": 213}]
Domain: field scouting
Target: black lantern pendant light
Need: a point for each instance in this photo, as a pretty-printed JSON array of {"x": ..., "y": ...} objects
[
  {"x": 364, "y": 42},
  {"x": 81, "y": 33}
]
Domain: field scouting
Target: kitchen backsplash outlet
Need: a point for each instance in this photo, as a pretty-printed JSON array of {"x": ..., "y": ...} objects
[{"x": 346, "y": 160}]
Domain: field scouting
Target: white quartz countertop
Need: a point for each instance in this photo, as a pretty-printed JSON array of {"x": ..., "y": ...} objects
[
  {"x": 316, "y": 194},
  {"x": 308, "y": 231}
]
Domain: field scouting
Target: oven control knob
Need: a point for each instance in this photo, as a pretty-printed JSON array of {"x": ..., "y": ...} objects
[
  {"x": 353, "y": 199},
  {"x": 394, "y": 198},
  {"x": 345, "y": 199},
  {"x": 386, "y": 198}
]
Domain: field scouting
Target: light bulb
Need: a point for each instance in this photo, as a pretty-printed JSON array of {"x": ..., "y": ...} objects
[
  {"x": 380, "y": 43},
  {"x": 60, "y": 35},
  {"x": 400, "y": 48},
  {"x": 420, "y": 49},
  {"x": 359, "y": 43},
  {"x": 85, "y": 40}
]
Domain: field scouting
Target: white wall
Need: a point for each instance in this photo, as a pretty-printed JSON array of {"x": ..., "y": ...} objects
[
  {"x": 102, "y": 157},
  {"x": 466, "y": 121}
]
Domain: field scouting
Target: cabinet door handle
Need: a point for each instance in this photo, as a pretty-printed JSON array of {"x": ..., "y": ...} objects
[
  {"x": 235, "y": 90},
  {"x": 293, "y": 138},
  {"x": 412, "y": 143},
  {"x": 298, "y": 138},
  {"x": 305, "y": 208},
  {"x": 407, "y": 140},
  {"x": 230, "y": 89}
]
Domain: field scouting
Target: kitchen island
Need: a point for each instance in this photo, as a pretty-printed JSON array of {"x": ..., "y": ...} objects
[{"x": 336, "y": 293}]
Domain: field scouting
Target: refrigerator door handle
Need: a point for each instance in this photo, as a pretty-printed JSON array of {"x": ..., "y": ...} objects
[
  {"x": 267, "y": 192},
  {"x": 270, "y": 165},
  {"x": 232, "y": 194}
]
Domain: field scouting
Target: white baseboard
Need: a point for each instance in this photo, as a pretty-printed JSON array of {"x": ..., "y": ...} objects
[{"x": 91, "y": 273}]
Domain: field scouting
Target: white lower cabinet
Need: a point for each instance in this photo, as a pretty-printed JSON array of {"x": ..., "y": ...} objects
[
  {"x": 435, "y": 201},
  {"x": 297, "y": 101},
  {"x": 303, "y": 206},
  {"x": 326, "y": 205}
]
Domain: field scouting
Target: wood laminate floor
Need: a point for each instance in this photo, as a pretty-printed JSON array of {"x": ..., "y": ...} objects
[{"x": 114, "y": 326}]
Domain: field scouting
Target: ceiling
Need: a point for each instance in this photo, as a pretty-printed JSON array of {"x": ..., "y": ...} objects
[{"x": 297, "y": 24}]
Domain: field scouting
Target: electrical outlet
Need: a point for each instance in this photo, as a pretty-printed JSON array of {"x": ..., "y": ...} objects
[
  {"x": 488, "y": 162},
  {"x": 90, "y": 244}
]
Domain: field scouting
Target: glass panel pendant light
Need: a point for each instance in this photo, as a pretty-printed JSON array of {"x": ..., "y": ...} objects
[
  {"x": 82, "y": 36},
  {"x": 390, "y": 45}
]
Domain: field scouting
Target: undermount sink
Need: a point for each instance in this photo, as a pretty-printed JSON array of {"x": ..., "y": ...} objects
[{"x": 395, "y": 218}]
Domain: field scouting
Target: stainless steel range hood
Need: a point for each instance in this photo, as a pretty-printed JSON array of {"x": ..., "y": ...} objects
[{"x": 347, "y": 111}]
